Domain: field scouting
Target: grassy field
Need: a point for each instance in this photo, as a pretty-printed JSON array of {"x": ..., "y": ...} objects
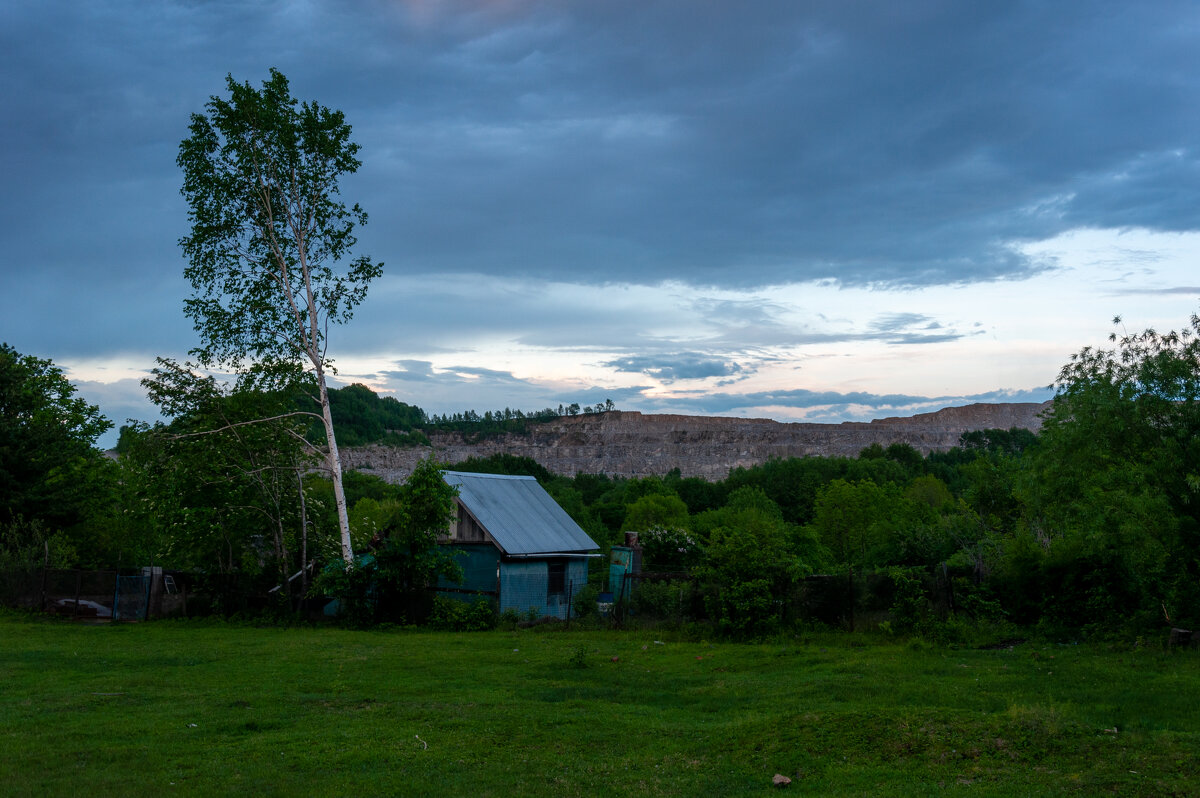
[{"x": 183, "y": 709}]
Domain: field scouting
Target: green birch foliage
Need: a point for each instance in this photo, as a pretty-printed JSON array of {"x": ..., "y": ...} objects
[{"x": 269, "y": 231}]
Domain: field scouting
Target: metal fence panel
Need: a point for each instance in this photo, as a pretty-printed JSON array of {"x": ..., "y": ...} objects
[{"x": 131, "y": 598}]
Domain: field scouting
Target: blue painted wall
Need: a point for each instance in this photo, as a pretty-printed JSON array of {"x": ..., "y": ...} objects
[{"x": 524, "y": 585}]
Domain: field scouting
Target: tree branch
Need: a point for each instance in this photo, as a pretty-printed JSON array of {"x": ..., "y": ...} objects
[{"x": 243, "y": 424}]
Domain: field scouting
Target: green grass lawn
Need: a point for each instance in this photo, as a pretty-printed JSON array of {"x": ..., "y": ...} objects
[{"x": 168, "y": 708}]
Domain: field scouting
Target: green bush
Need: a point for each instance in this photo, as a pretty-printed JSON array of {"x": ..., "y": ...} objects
[
  {"x": 453, "y": 615},
  {"x": 669, "y": 548},
  {"x": 583, "y": 606},
  {"x": 910, "y": 607},
  {"x": 744, "y": 609},
  {"x": 664, "y": 600}
]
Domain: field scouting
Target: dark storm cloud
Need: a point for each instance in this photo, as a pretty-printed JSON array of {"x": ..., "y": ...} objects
[
  {"x": 715, "y": 143},
  {"x": 883, "y": 143}
]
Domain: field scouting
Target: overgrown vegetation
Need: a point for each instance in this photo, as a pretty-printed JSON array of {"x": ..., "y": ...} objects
[{"x": 389, "y": 585}]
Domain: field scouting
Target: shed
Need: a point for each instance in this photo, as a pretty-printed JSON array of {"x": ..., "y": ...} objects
[{"x": 514, "y": 541}]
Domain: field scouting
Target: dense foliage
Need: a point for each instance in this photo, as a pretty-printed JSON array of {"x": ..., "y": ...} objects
[
  {"x": 53, "y": 481},
  {"x": 361, "y": 417},
  {"x": 389, "y": 585}
]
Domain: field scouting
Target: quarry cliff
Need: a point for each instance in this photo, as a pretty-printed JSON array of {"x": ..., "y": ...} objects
[{"x": 632, "y": 444}]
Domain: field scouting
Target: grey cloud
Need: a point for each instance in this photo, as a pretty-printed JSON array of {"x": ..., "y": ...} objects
[
  {"x": 726, "y": 336},
  {"x": 119, "y": 401},
  {"x": 895, "y": 322},
  {"x": 632, "y": 141},
  {"x": 906, "y": 147},
  {"x": 1185, "y": 290},
  {"x": 911, "y": 328},
  {"x": 683, "y": 366},
  {"x": 457, "y": 389},
  {"x": 833, "y": 406},
  {"x": 908, "y": 339},
  {"x": 83, "y": 316},
  {"x": 494, "y": 376},
  {"x": 412, "y": 371}
]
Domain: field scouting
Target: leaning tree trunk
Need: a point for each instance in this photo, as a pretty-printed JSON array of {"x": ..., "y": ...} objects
[{"x": 334, "y": 461}]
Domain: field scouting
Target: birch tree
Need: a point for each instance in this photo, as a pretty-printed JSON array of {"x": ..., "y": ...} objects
[{"x": 270, "y": 246}]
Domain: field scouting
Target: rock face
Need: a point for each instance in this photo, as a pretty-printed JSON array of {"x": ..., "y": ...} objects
[{"x": 630, "y": 444}]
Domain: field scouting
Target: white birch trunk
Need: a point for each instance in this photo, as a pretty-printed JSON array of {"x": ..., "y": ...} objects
[{"x": 334, "y": 461}]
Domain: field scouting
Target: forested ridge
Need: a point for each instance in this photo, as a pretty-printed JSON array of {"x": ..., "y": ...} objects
[{"x": 362, "y": 417}]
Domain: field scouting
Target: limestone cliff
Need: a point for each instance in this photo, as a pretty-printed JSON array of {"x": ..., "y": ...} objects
[{"x": 626, "y": 443}]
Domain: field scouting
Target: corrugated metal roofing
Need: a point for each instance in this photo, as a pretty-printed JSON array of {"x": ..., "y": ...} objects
[{"x": 519, "y": 514}]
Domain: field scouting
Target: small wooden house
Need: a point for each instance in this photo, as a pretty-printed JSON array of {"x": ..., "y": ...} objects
[{"x": 513, "y": 541}]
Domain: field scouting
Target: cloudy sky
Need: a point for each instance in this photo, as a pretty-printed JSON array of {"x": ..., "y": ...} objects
[{"x": 818, "y": 211}]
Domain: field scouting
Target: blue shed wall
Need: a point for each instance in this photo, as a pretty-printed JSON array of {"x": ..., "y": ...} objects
[
  {"x": 478, "y": 565},
  {"x": 524, "y": 585},
  {"x": 577, "y": 575}
]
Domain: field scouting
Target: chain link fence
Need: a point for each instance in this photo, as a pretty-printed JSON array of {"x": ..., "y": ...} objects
[
  {"x": 124, "y": 595},
  {"x": 848, "y": 601}
]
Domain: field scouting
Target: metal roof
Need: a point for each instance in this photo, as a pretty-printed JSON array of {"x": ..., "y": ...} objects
[{"x": 519, "y": 514}]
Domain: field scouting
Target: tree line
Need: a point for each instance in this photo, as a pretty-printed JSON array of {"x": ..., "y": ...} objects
[{"x": 1091, "y": 524}]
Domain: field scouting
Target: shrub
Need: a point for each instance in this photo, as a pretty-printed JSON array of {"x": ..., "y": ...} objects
[
  {"x": 664, "y": 600},
  {"x": 453, "y": 615},
  {"x": 583, "y": 606},
  {"x": 744, "y": 609},
  {"x": 669, "y": 549},
  {"x": 910, "y": 608}
]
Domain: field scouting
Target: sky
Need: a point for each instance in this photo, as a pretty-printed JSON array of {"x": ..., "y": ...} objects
[{"x": 807, "y": 211}]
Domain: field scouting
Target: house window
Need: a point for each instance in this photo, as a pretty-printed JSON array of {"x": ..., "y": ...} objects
[{"x": 556, "y": 583}]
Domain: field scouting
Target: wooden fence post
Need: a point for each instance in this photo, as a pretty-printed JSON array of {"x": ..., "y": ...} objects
[
  {"x": 78, "y": 587},
  {"x": 45, "y": 568},
  {"x": 850, "y": 593}
]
